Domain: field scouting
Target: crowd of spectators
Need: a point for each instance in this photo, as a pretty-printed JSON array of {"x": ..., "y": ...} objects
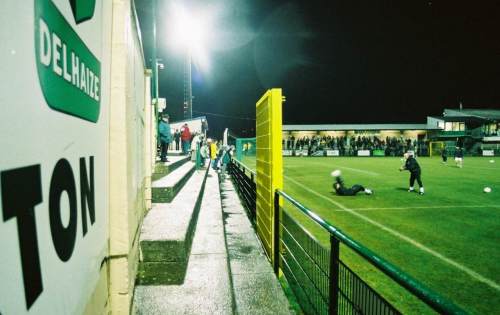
[{"x": 392, "y": 146}]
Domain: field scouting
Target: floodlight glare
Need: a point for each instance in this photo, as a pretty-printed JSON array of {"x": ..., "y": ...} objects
[{"x": 190, "y": 32}]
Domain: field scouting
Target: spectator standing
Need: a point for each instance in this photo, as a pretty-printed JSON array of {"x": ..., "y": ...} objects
[
  {"x": 213, "y": 152},
  {"x": 204, "y": 152},
  {"x": 177, "y": 138},
  {"x": 185, "y": 138},
  {"x": 204, "y": 127},
  {"x": 197, "y": 139},
  {"x": 165, "y": 137},
  {"x": 226, "y": 159}
]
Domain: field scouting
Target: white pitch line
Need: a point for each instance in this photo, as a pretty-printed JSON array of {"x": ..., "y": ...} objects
[
  {"x": 351, "y": 169},
  {"x": 359, "y": 170},
  {"x": 422, "y": 207},
  {"x": 479, "y": 167},
  {"x": 405, "y": 238}
]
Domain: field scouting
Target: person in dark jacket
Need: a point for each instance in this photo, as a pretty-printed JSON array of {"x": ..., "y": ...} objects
[
  {"x": 444, "y": 155},
  {"x": 177, "y": 138},
  {"x": 412, "y": 166},
  {"x": 165, "y": 136},
  {"x": 341, "y": 190}
]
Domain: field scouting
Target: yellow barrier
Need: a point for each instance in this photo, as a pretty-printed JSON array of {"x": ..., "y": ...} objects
[{"x": 269, "y": 162}]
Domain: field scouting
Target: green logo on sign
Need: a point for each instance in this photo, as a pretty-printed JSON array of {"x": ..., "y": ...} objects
[
  {"x": 83, "y": 10},
  {"x": 69, "y": 74}
]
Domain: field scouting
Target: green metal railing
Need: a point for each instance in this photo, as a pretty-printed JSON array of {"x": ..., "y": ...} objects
[
  {"x": 244, "y": 178},
  {"x": 322, "y": 283}
]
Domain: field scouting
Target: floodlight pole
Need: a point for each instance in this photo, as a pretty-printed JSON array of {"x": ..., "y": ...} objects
[
  {"x": 154, "y": 56},
  {"x": 154, "y": 90},
  {"x": 188, "y": 88}
]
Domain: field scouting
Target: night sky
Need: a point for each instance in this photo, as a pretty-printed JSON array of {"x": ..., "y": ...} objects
[{"x": 345, "y": 61}]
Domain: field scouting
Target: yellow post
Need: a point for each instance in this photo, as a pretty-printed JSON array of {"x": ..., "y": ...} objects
[{"x": 269, "y": 163}]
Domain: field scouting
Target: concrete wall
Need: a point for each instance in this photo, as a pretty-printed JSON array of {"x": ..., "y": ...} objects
[{"x": 130, "y": 155}]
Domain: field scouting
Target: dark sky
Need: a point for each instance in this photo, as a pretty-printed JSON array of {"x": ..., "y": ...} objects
[{"x": 347, "y": 61}]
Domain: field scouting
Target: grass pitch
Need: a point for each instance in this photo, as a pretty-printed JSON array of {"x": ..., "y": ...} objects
[{"x": 449, "y": 238}]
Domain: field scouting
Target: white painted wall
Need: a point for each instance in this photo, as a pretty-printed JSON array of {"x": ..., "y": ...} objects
[
  {"x": 98, "y": 277},
  {"x": 35, "y": 134}
]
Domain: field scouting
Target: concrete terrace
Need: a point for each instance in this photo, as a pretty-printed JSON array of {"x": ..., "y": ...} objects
[{"x": 199, "y": 253}]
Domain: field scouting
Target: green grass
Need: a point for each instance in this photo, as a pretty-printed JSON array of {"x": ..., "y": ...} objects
[{"x": 448, "y": 239}]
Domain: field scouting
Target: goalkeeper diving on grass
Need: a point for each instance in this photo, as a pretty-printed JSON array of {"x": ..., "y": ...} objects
[{"x": 341, "y": 190}]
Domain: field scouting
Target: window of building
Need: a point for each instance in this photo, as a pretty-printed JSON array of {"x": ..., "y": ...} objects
[{"x": 448, "y": 126}]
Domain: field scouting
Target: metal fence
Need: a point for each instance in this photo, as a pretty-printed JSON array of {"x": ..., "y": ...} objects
[
  {"x": 245, "y": 184},
  {"x": 322, "y": 283}
]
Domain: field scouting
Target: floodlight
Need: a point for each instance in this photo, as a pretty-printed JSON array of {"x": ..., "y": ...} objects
[{"x": 190, "y": 31}]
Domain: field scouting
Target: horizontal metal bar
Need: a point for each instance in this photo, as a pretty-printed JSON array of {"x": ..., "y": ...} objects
[
  {"x": 246, "y": 167},
  {"x": 431, "y": 298}
]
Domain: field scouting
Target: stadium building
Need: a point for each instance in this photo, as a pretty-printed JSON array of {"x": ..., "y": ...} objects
[{"x": 477, "y": 131}]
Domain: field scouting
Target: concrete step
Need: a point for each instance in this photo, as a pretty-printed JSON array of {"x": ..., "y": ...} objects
[
  {"x": 163, "y": 168},
  {"x": 256, "y": 288},
  {"x": 171, "y": 152},
  {"x": 165, "y": 188},
  {"x": 167, "y": 234},
  {"x": 175, "y": 153},
  {"x": 206, "y": 288}
]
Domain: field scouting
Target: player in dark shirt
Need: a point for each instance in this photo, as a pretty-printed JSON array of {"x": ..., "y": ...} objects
[
  {"x": 341, "y": 190},
  {"x": 459, "y": 157},
  {"x": 444, "y": 155},
  {"x": 412, "y": 166}
]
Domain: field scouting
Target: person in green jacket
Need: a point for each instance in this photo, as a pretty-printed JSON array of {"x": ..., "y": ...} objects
[{"x": 165, "y": 136}]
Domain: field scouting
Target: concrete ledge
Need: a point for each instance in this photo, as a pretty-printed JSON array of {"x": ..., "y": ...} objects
[
  {"x": 163, "y": 168},
  {"x": 165, "y": 189},
  {"x": 206, "y": 290},
  {"x": 161, "y": 273},
  {"x": 256, "y": 287},
  {"x": 167, "y": 234},
  {"x": 206, "y": 287}
]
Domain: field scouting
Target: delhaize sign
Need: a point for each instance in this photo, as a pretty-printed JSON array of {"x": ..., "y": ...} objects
[
  {"x": 54, "y": 61},
  {"x": 69, "y": 72}
]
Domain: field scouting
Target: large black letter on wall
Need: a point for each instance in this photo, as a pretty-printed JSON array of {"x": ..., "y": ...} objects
[
  {"x": 63, "y": 237},
  {"x": 87, "y": 192},
  {"x": 21, "y": 192}
]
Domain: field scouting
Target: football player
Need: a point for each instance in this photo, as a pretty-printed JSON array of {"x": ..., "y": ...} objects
[
  {"x": 412, "y": 166},
  {"x": 341, "y": 190}
]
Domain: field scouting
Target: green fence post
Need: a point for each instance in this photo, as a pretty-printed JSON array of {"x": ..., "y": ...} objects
[
  {"x": 198, "y": 156},
  {"x": 276, "y": 249},
  {"x": 334, "y": 276}
]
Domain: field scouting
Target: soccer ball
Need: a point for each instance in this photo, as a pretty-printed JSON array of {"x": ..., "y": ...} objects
[
  {"x": 336, "y": 173},
  {"x": 487, "y": 189}
]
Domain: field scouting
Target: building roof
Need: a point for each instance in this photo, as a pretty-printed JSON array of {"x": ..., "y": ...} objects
[
  {"x": 486, "y": 114},
  {"x": 344, "y": 127}
]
